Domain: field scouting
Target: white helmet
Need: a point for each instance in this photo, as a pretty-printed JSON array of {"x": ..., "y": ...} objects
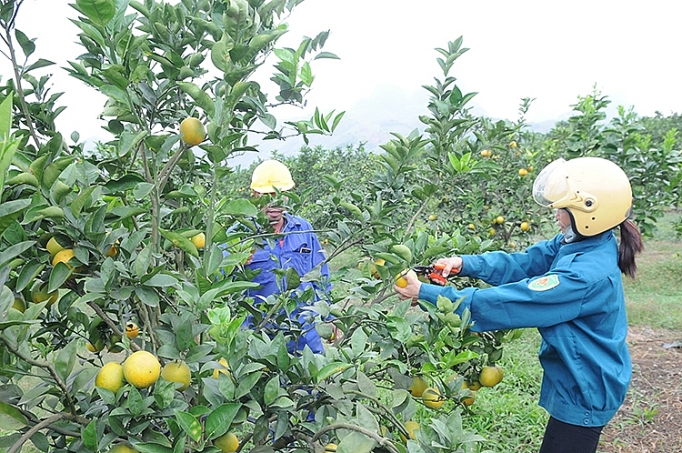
[{"x": 595, "y": 191}]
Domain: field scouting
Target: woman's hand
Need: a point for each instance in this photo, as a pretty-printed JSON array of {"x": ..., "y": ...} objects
[
  {"x": 452, "y": 265},
  {"x": 409, "y": 291}
]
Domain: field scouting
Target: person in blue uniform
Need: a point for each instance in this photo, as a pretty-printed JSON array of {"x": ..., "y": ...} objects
[
  {"x": 569, "y": 288},
  {"x": 298, "y": 247}
]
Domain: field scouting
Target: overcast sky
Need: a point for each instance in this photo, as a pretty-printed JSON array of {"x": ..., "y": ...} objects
[{"x": 549, "y": 50}]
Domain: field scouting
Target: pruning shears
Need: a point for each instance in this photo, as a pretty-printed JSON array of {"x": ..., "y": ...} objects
[{"x": 434, "y": 273}]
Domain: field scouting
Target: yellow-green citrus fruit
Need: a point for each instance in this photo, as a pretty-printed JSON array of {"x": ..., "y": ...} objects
[
  {"x": 523, "y": 172},
  {"x": 225, "y": 371},
  {"x": 19, "y": 304},
  {"x": 499, "y": 220},
  {"x": 192, "y": 132},
  {"x": 474, "y": 385},
  {"x": 227, "y": 443},
  {"x": 431, "y": 398},
  {"x": 378, "y": 262},
  {"x": 433, "y": 217},
  {"x": 491, "y": 376},
  {"x": 40, "y": 294},
  {"x": 525, "y": 226},
  {"x": 469, "y": 400},
  {"x": 122, "y": 448},
  {"x": 141, "y": 369},
  {"x": 402, "y": 251},
  {"x": 110, "y": 377},
  {"x": 513, "y": 144},
  {"x": 53, "y": 246},
  {"x": 199, "y": 240},
  {"x": 330, "y": 448},
  {"x": 94, "y": 348},
  {"x": 112, "y": 252},
  {"x": 410, "y": 426},
  {"x": 178, "y": 372},
  {"x": 132, "y": 331},
  {"x": 63, "y": 256},
  {"x": 401, "y": 281},
  {"x": 418, "y": 386}
]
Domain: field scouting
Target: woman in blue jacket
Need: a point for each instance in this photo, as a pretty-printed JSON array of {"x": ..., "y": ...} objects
[
  {"x": 298, "y": 247},
  {"x": 570, "y": 288}
]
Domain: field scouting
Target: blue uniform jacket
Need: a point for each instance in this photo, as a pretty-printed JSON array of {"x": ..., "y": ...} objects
[
  {"x": 300, "y": 249},
  {"x": 573, "y": 294}
]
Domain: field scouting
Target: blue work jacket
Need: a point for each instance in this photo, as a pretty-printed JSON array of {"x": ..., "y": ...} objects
[
  {"x": 300, "y": 249},
  {"x": 573, "y": 294}
]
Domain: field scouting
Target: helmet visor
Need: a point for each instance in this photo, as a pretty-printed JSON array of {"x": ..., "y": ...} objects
[{"x": 552, "y": 185}]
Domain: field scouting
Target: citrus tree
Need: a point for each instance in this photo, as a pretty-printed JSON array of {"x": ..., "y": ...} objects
[{"x": 120, "y": 315}]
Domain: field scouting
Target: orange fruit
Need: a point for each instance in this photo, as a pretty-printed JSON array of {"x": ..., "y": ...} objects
[
  {"x": 141, "y": 369},
  {"x": 227, "y": 443},
  {"x": 178, "y": 372},
  {"x": 225, "y": 371},
  {"x": 132, "y": 331},
  {"x": 53, "y": 246},
  {"x": 418, "y": 386},
  {"x": 410, "y": 426},
  {"x": 199, "y": 240},
  {"x": 110, "y": 377},
  {"x": 431, "y": 398},
  {"x": 491, "y": 376},
  {"x": 192, "y": 131},
  {"x": 40, "y": 294},
  {"x": 525, "y": 226},
  {"x": 523, "y": 172},
  {"x": 469, "y": 400},
  {"x": 63, "y": 256}
]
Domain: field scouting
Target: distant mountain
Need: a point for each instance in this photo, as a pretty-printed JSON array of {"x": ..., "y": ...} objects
[{"x": 371, "y": 121}]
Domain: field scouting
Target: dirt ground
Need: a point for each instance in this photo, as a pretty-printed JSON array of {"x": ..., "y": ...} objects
[{"x": 650, "y": 420}]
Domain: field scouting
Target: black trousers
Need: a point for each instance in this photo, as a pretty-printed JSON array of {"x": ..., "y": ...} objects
[{"x": 561, "y": 437}]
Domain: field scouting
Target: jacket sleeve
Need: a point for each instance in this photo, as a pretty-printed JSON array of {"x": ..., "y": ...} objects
[
  {"x": 499, "y": 268},
  {"x": 525, "y": 303}
]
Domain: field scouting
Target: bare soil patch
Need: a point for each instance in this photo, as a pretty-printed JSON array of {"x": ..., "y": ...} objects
[{"x": 650, "y": 420}]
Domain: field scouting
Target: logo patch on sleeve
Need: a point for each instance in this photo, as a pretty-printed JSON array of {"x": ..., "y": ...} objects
[{"x": 544, "y": 283}]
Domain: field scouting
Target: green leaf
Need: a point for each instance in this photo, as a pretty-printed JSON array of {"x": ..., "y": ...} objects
[
  {"x": 13, "y": 251},
  {"x": 58, "y": 276},
  {"x": 180, "y": 241},
  {"x": 201, "y": 98},
  {"x": 11, "y": 418},
  {"x": 239, "y": 207},
  {"x": 6, "y": 117},
  {"x": 246, "y": 384},
  {"x": 135, "y": 402},
  {"x": 331, "y": 369},
  {"x": 28, "y": 274},
  {"x": 151, "y": 447},
  {"x": 41, "y": 63},
  {"x": 189, "y": 424},
  {"x": 27, "y": 45},
  {"x": 89, "y": 436},
  {"x": 218, "y": 422},
  {"x": 66, "y": 360},
  {"x": 161, "y": 281},
  {"x": 98, "y": 11},
  {"x": 272, "y": 391},
  {"x": 10, "y": 211}
]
